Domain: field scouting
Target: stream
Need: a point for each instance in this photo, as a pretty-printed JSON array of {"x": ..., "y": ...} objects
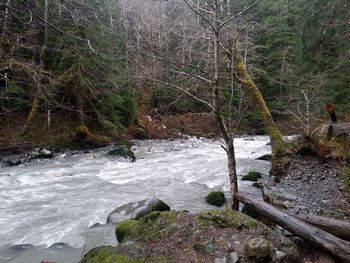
[{"x": 56, "y": 209}]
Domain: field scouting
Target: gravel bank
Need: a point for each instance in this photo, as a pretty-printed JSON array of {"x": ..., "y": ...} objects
[{"x": 315, "y": 184}]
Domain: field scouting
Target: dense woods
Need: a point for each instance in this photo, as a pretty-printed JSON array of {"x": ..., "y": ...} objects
[{"x": 93, "y": 63}]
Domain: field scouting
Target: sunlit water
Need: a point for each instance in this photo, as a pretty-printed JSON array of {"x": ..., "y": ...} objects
[{"x": 44, "y": 203}]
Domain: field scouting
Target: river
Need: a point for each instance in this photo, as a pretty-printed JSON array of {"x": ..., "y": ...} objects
[{"x": 49, "y": 209}]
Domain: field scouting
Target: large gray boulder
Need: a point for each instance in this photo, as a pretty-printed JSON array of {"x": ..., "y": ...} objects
[{"x": 136, "y": 210}]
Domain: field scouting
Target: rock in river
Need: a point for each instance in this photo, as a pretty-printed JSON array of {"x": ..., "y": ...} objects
[
  {"x": 216, "y": 198},
  {"x": 137, "y": 210}
]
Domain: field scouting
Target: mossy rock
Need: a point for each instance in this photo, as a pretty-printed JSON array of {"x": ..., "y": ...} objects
[
  {"x": 123, "y": 151},
  {"x": 345, "y": 178},
  {"x": 216, "y": 198},
  {"x": 126, "y": 228},
  {"x": 109, "y": 254},
  {"x": 152, "y": 205},
  {"x": 257, "y": 249},
  {"x": 251, "y": 176},
  {"x": 151, "y": 226}
]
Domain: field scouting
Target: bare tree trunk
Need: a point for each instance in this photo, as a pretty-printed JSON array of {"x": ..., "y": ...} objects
[
  {"x": 6, "y": 32},
  {"x": 230, "y": 150}
]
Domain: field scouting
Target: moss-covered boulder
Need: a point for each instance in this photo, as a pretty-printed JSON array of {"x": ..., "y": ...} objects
[
  {"x": 251, "y": 176},
  {"x": 151, "y": 205},
  {"x": 147, "y": 227},
  {"x": 216, "y": 198},
  {"x": 136, "y": 210},
  {"x": 123, "y": 149},
  {"x": 257, "y": 249},
  {"x": 126, "y": 228}
]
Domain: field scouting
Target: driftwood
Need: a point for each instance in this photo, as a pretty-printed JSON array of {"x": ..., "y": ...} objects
[
  {"x": 317, "y": 237},
  {"x": 336, "y": 227}
]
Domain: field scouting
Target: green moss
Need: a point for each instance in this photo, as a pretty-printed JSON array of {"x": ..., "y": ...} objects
[
  {"x": 112, "y": 255},
  {"x": 216, "y": 198},
  {"x": 228, "y": 218},
  {"x": 82, "y": 131},
  {"x": 345, "y": 178},
  {"x": 127, "y": 228},
  {"x": 151, "y": 226},
  {"x": 251, "y": 176}
]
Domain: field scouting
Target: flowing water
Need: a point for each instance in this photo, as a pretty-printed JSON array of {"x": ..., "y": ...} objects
[{"x": 49, "y": 209}]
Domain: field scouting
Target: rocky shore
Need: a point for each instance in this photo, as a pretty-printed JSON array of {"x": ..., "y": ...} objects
[
  {"x": 314, "y": 186},
  {"x": 219, "y": 236}
]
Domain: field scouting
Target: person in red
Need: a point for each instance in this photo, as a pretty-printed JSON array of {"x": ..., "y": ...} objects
[{"x": 331, "y": 112}]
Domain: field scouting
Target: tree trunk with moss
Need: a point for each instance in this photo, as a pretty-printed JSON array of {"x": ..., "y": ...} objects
[
  {"x": 280, "y": 152},
  {"x": 32, "y": 113}
]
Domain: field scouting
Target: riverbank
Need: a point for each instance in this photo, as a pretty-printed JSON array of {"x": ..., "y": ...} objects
[{"x": 315, "y": 186}]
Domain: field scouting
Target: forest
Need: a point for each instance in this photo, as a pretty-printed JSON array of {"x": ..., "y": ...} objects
[
  {"x": 243, "y": 105},
  {"x": 104, "y": 64}
]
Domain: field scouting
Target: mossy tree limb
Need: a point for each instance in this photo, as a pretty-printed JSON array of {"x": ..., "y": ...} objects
[
  {"x": 280, "y": 151},
  {"x": 33, "y": 111},
  {"x": 278, "y": 146}
]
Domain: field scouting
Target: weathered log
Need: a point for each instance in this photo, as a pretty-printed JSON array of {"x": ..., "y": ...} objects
[
  {"x": 317, "y": 237},
  {"x": 336, "y": 227}
]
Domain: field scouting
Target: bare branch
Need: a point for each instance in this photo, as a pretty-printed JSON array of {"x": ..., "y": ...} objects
[
  {"x": 84, "y": 40},
  {"x": 239, "y": 14},
  {"x": 183, "y": 90}
]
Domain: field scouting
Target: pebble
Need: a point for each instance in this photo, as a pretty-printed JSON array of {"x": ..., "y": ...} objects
[{"x": 233, "y": 257}]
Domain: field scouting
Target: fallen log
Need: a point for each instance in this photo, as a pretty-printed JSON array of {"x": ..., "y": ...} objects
[
  {"x": 317, "y": 237},
  {"x": 336, "y": 227}
]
